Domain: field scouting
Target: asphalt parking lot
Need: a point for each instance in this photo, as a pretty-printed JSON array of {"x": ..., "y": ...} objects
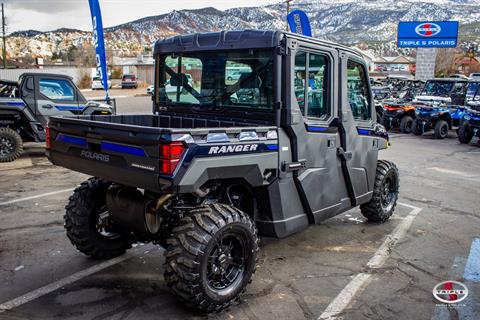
[{"x": 344, "y": 268}]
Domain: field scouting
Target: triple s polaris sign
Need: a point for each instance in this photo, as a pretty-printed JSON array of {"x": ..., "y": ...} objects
[{"x": 433, "y": 34}]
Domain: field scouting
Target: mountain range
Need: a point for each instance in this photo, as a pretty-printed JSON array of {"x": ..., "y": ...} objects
[{"x": 371, "y": 22}]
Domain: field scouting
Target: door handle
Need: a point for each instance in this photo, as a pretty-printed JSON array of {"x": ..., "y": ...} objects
[
  {"x": 345, "y": 155},
  {"x": 47, "y": 106}
]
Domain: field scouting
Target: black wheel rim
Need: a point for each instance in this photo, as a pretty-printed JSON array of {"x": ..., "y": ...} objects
[
  {"x": 409, "y": 125},
  {"x": 7, "y": 146},
  {"x": 389, "y": 192},
  {"x": 104, "y": 225},
  {"x": 227, "y": 262},
  {"x": 444, "y": 130}
]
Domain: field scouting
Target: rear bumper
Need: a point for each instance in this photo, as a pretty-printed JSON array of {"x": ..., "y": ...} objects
[
  {"x": 116, "y": 170},
  {"x": 129, "y": 85}
]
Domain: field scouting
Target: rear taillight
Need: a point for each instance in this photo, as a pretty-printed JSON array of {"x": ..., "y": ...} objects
[
  {"x": 47, "y": 137},
  {"x": 170, "y": 155}
]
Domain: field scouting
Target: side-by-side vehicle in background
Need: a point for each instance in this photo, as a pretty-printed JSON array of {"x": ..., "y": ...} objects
[{"x": 26, "y": 106}]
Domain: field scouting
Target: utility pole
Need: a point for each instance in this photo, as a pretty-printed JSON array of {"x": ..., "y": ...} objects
[
  {"x": 4, "y": 55},
  {"x": 288, "y": 11}
]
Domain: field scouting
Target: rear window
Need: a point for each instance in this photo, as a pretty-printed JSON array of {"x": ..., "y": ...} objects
[{"x": 128, "y": 76}]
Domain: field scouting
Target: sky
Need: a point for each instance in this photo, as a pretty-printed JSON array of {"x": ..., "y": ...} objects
[{"x": 45, "y": 15}]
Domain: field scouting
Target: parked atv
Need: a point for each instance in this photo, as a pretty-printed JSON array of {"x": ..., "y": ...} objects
[
  {"x": 27, "y": 105},
  {"x": 441, "y": 117},
  {"x": 207, "y": 174},
  {"x": 398, "y": 116}
]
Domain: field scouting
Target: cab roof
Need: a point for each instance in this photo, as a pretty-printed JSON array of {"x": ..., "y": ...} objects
[{"x": 238, "y": 39}]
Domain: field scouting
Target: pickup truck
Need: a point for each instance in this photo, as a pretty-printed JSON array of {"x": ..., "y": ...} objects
[
  {"x": 27, "y": 104},
  {"x": 208, "y": 173}
]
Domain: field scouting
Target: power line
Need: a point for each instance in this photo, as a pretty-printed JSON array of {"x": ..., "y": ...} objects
[{"x": 4, "y": 56}]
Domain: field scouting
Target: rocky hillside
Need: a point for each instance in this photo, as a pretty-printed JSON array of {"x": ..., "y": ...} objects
[{"x": 345, "y": 21}]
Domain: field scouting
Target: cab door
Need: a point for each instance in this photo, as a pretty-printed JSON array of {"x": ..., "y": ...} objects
[
  {"x": 56, "y": 96},
  {"x": 360, "y": 143},
  {"x": 313, "y": 72}
]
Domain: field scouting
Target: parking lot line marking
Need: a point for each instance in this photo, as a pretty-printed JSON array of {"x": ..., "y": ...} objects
[
  {"x": 37, "y": 293},
  {"x": 452, "y": 172},
  {"x": 36, "y": 196},
  {"x": 472, "y": 268},
  {"x": 360, "y": 281}
]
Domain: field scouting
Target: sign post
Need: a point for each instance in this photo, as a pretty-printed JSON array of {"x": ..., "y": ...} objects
[{"x": 426, "y": 36}]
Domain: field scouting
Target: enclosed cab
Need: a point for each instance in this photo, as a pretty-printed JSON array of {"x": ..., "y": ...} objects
[{"x": 289, "y": 141}]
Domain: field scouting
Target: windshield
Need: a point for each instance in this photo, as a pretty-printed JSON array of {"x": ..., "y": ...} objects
[
  {"x": 438, "y": 88},
  {"x": 217, "y": 79},
  {"x": 473, "y": 91}
]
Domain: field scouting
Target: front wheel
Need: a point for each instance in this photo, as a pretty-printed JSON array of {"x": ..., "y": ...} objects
[
  {"x": 406, "y": 124},
  {"x": 88, "y": 223},
  {"x": 465, "y": 133},
  {"x": 211, "y": 256},
  {"x": 441, "y": 129},
  {"x": 417, "y": 127},
  {"x": 11, "y": 145},
  {"x": 385, "y": 193}
]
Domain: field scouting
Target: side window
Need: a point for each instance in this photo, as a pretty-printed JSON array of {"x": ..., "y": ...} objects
[
  {"x": 310, "y": 78},
  {"x": 357, "y": 90},
  {"x": 299, "y": 79},
  {"x": 317, "y": 87},
  {"x": 57, "y": 89}
]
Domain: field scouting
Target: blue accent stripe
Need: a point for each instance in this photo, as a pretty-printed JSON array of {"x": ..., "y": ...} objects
[
  {"x": 317, "y": 129},
  {"x": 273, "y": 147},
  {"x": 69, "y": 108},
  {"x": 13, "y": 103},
  {"x": 72, "y": 140},
  {"x": 472, "y": 268},
  {"x": 364, "y": 132},
  {"x": 123, "y": 149}
]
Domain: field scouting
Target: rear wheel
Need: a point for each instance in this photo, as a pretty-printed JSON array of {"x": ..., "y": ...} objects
[
  {"x": 11, "y": 145},
  {"x": 465, "y": 134},
  {"x": 385, "y": 193},
  {"x": 441, "y": 129},
  {"x": 417, "y": 128},
  {"x": 211, "y": 257},
  {"x": 88, "y": 223},
  {"x": 406, "y": 124}
]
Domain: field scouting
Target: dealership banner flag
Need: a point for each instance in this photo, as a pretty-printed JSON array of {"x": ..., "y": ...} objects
[
  {"x": 99, "y": 43},
  {"x": 299, "y": 23}
]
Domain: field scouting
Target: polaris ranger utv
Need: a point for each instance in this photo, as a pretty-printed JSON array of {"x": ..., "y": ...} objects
[
  {"x": 444, "y": 114},
  {"x": 26, "y": 106},
  {"x": 208, "y": 173}
]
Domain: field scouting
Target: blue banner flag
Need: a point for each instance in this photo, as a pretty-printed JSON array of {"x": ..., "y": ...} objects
[
  {"x": 99, "y": 43},
  {"x": 299, "y": 23}
]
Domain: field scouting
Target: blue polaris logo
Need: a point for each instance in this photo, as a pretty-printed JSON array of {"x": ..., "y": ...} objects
[{"x": 428, "y": 29}]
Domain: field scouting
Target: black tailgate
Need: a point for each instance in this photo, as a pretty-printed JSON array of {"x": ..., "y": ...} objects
[{"x": 104, "y": 147}]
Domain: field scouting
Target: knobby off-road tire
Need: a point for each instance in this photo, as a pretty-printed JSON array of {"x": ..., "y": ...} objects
[
  {"x": 406, "y": 124},
  {"x": 87, "y": 222},
  {"x": 417, "y": 127},
  {"x": 212, "y": 243},
  {"x": 465, "y": 133},
  {"x": 441, "y": 129},
  {"x": 385, "y": 193},
  {"x": 11, "y": 145}
]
